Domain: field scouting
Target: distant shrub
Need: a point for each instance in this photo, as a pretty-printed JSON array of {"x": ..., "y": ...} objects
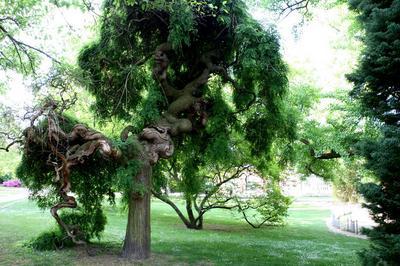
[
  {"x": 5, "y": 177},
  {"x": 268, "y": 209}
]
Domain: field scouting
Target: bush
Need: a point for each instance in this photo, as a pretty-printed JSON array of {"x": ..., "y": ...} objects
[
  {"x": 268, "y": 209},
  {"x": 50, "y": 240},
  {"x": 5, "y": 177},
  {"x": 90, "y": 226}
]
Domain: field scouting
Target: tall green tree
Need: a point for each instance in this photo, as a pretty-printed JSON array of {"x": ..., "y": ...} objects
[
  {"x": 328, "y": 148},
  {"x": 188, "y": 76},
  {"x": 377, "y": 84}
]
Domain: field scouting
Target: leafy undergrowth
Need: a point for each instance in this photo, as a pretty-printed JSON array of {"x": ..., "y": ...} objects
[{"x": 305, "y": 240}]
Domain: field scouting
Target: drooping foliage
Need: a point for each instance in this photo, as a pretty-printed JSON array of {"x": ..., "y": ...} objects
[
  {"x": 91, "y": 183},
  {"x": 377, "y": 85},
  {"x": 119, "y": 68}
]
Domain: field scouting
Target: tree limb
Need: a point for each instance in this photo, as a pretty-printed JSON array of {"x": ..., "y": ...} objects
[
  {"x": 243, "y": 211},
  {"x": 10, "y": 145},
  {"x": 19, "y": 45},
  {"x": 217, "y": 186},
  {"x": 332, "y": 154},
  {"x": 172, "y": 204},
  {"x": 295, "y": 6}
]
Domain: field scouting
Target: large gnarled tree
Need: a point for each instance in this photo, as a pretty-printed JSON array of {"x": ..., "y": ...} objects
[{"x": 182, "y": 73}]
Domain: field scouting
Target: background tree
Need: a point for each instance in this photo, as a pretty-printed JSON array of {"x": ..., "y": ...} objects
[
  {"x": 329, "y": 124},
  {"x": 26, "y": 56},
  {"x": 328, "y": 148},
  {"x": 206, "y": 186},
  {"x": 16, "y": 16},
  {"x": 377, "y": 85}
]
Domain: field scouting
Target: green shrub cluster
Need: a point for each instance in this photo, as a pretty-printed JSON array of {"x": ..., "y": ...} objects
[{"x": 89, "y": 225}]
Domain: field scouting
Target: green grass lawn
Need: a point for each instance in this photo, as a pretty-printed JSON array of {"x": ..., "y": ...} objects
[{"x": 225, "y": 240}]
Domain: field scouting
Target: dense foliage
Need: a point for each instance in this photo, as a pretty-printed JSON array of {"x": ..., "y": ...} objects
[
  {"x": 118, "y": 65},
  {"x": 90, "y": 183},
  {"x": 90, "y": 223},
  {"x": 377, "y": 79},
  {"x": 377, "y": 84}
]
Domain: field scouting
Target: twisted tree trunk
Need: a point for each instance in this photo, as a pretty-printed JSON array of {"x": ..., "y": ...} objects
[
  {"x": 138, "y": 232},
  {"x": 156, "y": 143}
]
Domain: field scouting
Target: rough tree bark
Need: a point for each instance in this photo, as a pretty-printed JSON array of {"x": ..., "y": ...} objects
[
  {"x": 138, "y": 229},
  {"x": 156, "y": 143}
]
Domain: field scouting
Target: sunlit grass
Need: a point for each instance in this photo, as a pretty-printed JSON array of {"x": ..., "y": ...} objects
[{"x": 225, "y": 240}]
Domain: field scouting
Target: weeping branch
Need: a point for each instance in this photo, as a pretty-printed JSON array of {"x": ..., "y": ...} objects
[
  {"x": 10, "y": 138},
  {"x": 223, "y": 179},
  {"x": 247, "y": 219},
  {"x": 12, "y": 143}
]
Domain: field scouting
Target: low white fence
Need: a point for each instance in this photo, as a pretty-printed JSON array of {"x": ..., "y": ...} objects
[
  {"x": 346, "y": 223},
  {"x": 351, "y": 218}
]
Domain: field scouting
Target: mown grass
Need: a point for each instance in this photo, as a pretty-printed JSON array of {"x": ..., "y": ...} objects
[{"x": 225, "y": 240}]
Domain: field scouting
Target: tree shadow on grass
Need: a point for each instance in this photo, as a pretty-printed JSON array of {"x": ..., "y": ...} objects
[{"x": 109, "y": 253}]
